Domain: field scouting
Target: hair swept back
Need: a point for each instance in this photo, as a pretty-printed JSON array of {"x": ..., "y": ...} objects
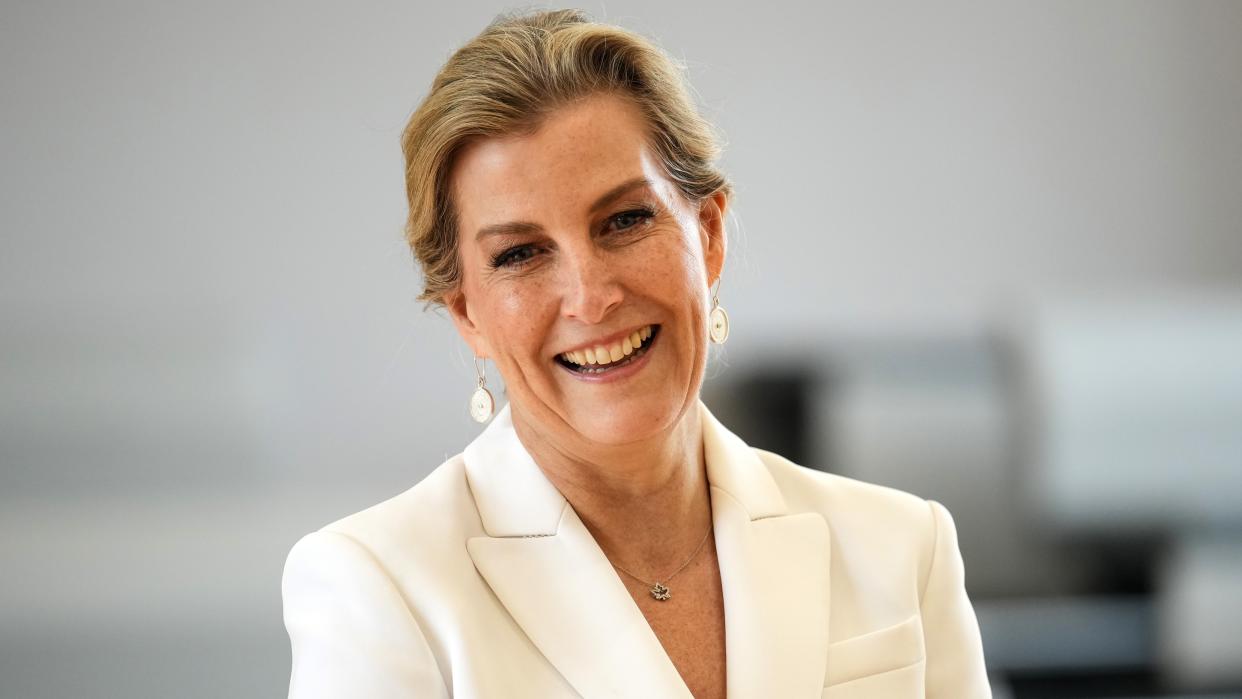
[{"x": 505, "y": 80}]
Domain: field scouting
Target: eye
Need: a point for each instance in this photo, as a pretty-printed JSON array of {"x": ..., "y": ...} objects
[
  {"x": 633, "y": 218},
  {"x": 513, "y": 257}
]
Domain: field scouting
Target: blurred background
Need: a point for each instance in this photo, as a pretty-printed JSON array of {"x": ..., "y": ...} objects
[{"x": 990, "y": 253}]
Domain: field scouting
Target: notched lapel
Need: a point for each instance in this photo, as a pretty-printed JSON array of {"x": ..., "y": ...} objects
[
  {"x": 556, "y": 583},
  {"x": 774, "y": 570},
  {"x": 774, "y": 573},
  {"x": 565, "y": 595},
  {"x": 553, "y": 579}
]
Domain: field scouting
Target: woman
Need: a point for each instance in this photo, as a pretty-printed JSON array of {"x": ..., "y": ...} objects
[{"x": 605, "y": 536}]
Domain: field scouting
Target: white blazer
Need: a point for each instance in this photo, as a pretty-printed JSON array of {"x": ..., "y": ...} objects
[{"x": 481, "y": 581}]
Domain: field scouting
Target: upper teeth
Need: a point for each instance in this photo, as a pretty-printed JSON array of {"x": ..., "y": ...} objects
[{"x": 605, "y": 354}]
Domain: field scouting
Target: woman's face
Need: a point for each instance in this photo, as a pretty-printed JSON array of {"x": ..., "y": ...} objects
[{"x": 575, "y": 247}]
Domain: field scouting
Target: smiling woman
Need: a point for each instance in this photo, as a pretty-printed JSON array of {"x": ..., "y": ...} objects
[
  {"x": 605, "y": 536},
  {"x": 582, "y": 241}
]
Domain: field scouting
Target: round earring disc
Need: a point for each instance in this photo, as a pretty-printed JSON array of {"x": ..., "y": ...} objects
[
  {"x": 481, "y": 405},
  {"x": 718, "y": 325}
]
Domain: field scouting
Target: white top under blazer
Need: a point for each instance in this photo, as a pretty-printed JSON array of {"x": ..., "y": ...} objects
[{"x": 481, "y": 581}]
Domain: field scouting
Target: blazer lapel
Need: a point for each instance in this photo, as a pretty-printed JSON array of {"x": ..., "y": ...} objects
[
  {"x": 774, "y": 570},
  {"x": 556, "y": 583}
]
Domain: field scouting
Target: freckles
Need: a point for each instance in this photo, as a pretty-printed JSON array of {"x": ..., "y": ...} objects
[
  {"x": 526, "y": 297},
  {"x": 522, "y": 310},
  {"x": 511, "y": 302}
]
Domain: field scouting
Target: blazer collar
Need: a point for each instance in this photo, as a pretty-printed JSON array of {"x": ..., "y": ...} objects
[
  {"x": 513, "y": 496},
  {"x": 556, "y": 583},
  {"x": 516, "y": 499}
]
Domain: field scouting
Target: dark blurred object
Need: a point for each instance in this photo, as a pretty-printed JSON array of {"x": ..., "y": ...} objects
[
  {"x": 1091, "y": 454},
  {"x": 769, "y": 409}
]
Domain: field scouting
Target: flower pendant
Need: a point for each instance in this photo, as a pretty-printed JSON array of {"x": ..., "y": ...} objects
[{"x": 660, "y": 592}]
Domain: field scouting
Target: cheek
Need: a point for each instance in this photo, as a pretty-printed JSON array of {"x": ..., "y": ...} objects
[
  {"x": 678, "y": 283},
  {"x": 689, "y": 274},
  {"x": 521, "y": 314}
]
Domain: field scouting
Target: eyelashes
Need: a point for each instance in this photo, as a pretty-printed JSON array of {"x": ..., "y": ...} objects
[
  {"x": 635, "y": 217},
  {"x": 627, "y": 221},
  {"x": 513, "y": 257}
]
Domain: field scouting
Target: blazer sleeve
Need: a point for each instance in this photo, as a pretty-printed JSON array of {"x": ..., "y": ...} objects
[
  {"x": 351, "y": 631},
  {"x": 953, "y": 647}
]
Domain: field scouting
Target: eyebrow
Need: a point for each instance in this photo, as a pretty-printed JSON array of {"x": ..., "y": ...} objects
[{"x": 520, "y": 227}]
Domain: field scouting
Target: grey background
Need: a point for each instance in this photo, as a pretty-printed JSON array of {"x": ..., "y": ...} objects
[{"x": 207, "y": 321}]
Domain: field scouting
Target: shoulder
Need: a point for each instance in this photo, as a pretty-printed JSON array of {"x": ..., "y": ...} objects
[
  {"x": 413, "y": 531},
  {"x": 354, "y": 627},
  {"x": 807, "y": 489},
  {"x": 885, "y": 527},
  {"x": 894, "y": 555},
  {"x": 441, "y": 499}
]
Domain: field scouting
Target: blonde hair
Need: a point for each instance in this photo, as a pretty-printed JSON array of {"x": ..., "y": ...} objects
[{"x": 505, "y": 80}]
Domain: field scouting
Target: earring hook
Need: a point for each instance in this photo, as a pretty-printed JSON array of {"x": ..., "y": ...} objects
[
  {"x": 718, "y": 320},
  {"x": 481, "y": 402}
]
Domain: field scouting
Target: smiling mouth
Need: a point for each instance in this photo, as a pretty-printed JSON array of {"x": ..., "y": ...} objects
[{"x": 600, "y": 360}]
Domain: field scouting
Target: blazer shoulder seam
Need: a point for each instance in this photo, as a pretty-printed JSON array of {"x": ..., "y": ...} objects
[{"x": 935, "y": 547}]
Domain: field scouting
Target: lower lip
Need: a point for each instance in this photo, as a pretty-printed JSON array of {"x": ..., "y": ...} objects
[{"x": 619, "y": 373}]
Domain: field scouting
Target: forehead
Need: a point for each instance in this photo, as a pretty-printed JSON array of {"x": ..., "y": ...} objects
[{"x": 578, "y": 152}]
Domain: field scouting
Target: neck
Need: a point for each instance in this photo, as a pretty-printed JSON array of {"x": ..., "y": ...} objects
[{"x": 646, "y": 504}]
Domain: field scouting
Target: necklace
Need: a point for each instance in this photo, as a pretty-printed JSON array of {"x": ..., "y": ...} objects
[{"x": 659, "y": 591}]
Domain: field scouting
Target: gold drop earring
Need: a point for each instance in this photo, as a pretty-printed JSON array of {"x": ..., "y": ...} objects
[
  {"x": 718, "y": 320},
  {"x": 481, "y": 402}
]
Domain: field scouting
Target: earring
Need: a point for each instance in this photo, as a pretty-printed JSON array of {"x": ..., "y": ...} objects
[
  {"x": 481, "y": 402},
  {"x": 718, "y": 320}
]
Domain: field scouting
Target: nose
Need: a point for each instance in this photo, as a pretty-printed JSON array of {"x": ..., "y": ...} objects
[{"x": 591, "y": 287}]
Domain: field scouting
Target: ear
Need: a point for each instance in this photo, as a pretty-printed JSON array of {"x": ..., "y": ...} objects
[
  {"x": 711, "y": 225},
  {"x": 459, "y": 309}
]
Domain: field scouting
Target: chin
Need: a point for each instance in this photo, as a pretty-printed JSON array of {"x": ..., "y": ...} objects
[{"x": 618, "y": 425}]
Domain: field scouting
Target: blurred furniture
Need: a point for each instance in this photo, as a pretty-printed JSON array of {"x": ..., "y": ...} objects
[{"x": 1091, "y": 453}]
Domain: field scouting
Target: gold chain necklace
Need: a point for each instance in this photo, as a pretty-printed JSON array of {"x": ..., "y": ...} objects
[{"x": 659, "y": 590}]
